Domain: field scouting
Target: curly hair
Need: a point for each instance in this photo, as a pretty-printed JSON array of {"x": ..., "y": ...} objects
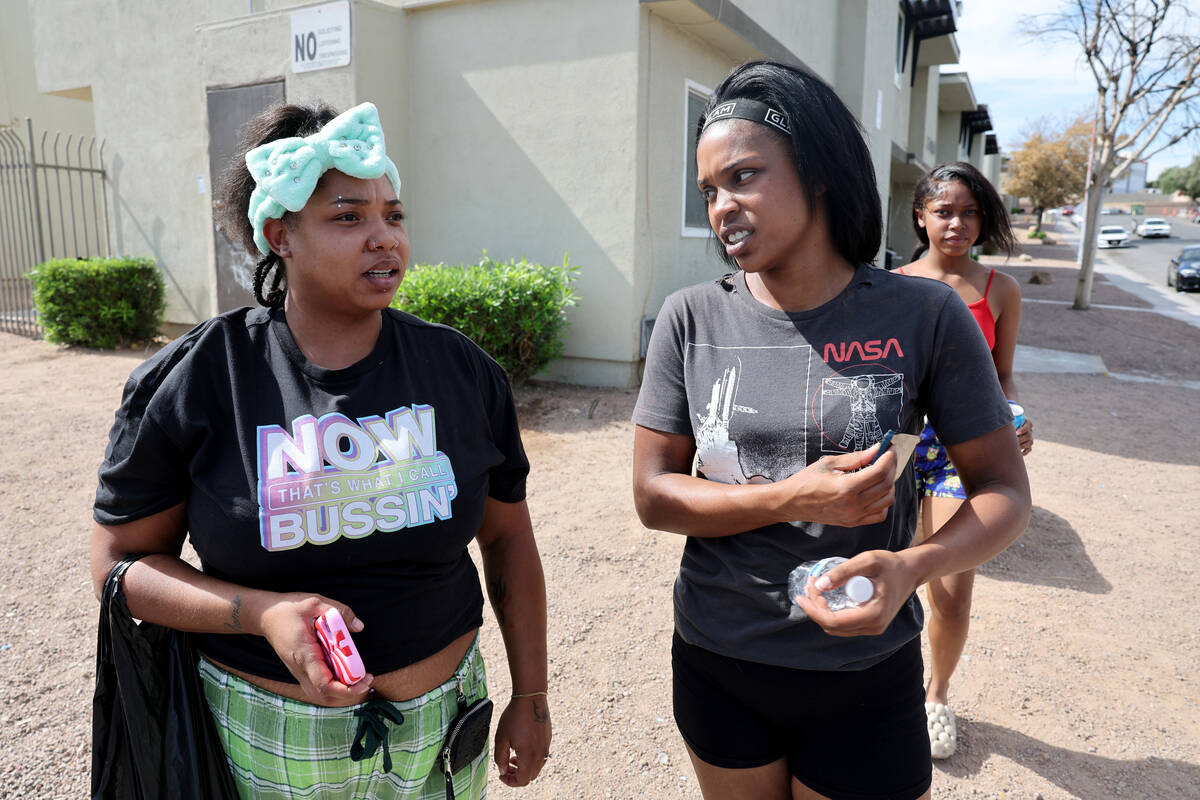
[{"x": 279, "y": 122}]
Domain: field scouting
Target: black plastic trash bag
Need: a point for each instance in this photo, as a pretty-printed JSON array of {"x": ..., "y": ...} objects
[{"x": 152, "y": 734}]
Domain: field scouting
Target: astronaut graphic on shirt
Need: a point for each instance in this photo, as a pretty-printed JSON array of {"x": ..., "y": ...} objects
[{"x": 864, "y": 392}]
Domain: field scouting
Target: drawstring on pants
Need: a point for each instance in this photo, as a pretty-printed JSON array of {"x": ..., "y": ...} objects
[{"x": 373, "y": 717}]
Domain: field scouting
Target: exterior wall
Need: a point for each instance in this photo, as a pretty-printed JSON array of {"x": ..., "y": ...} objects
[
  {"x": 61, "y": 31},
  {"x": 156, "y": 126},
  {"x": 667, "y": 258},
  {"x": 63, "y": 132},
  {"x": 521, "y": 127},
  {"x": 523, "y": 144},
  {"x": 975, "y": 157},
  {"x": 808, "y": 29},
  {"x": 923, "y": 118},
  {"x": 923, "y": 142},
  {"x": 866, "y": 81},
  {"x": 901, "y": 238},
  {"x": 20, "y": 94},
  {"x": 948, "y": 147},
  {"x": 991, "y": 170},
  {"x": 153, "y": 124}
]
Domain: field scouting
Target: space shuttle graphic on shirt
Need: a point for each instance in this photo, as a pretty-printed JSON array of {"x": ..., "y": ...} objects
[{"x": 717, "y": 453}]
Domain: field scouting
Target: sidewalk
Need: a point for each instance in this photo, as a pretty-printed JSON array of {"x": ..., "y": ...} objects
[
  {"x": 1163, "y": 300},
  {"x": 1135, "y": 330}
]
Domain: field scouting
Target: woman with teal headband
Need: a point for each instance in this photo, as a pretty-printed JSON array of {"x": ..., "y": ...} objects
[{"x": 328, "y": 452}]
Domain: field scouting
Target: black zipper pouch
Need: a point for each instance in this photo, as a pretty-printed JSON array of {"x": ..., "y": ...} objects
[{"x": 467, "y": 738}]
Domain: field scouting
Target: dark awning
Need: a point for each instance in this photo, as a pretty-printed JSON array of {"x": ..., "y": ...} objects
[
  {"x": 925, "y": 19},
  {"x": 973, "y": 122}
]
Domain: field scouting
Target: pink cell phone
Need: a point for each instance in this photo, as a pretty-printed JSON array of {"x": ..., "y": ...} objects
[{"x": 340, "y": 653}]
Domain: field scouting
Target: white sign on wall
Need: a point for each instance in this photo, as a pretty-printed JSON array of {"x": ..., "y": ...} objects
[{"x": 321, "y": 37}]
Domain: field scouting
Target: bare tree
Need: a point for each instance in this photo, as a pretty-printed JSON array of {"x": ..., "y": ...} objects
[{"x": 1145, "y": 58}]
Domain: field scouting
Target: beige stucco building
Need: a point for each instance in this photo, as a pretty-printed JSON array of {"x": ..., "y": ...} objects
[
  {"x": 20, "y": 94},
  {"x": 523, "y": 127}
]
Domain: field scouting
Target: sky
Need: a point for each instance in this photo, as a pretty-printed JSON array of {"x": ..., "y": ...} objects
[{"x": 1021, "y": 79}]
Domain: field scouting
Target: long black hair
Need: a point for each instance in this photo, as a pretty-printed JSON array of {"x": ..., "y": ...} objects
[
  {"x": 995, "y": 227},
  {"x": 279, "y": 122},
  {"x": 828, "y": 148}
]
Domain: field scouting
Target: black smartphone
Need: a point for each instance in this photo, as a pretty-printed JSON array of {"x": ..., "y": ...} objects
[{"x": 884, "y": 444}]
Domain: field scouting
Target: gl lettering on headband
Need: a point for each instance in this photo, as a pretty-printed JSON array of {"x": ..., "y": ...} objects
[{"x": 752, "y": 110}]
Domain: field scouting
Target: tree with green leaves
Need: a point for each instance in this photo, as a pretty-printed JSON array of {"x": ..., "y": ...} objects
[
  {"x": 1181, "y": 179},
  {"x": 1051, "y": 164},
  {"x": 1145, "y": 58}
]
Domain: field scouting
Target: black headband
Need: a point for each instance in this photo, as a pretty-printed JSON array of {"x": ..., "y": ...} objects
[{"x": 751, "y": 110}]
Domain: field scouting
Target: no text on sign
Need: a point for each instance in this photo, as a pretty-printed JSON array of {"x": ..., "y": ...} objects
[{"x": 320, "y": 37}]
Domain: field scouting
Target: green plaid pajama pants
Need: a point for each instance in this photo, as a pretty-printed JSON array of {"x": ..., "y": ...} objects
[{"x": 282, "y": 749}]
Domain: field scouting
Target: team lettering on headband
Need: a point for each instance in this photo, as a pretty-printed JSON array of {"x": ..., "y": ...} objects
[{"x": 751, "y": 110}]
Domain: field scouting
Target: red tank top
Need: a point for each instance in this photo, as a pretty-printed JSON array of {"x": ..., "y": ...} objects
[{"x": 981, "y": 311}]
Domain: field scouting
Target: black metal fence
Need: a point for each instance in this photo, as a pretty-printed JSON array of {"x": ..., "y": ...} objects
[{"x": 53, "y": 204}]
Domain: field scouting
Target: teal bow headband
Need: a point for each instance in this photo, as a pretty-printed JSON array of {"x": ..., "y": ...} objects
[{"x": 286, "y": 171}]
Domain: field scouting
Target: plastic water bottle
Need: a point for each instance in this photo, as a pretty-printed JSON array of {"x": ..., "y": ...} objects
[
  {"x": 1018, "y": 412},
  {"x": 851, "y": 594}
]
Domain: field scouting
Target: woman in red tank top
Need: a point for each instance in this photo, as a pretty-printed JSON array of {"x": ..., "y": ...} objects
[{"x": 954, "y": 208}]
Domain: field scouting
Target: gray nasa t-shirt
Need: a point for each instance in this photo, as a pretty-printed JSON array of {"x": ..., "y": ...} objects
[{"x": 764, "y": 393}]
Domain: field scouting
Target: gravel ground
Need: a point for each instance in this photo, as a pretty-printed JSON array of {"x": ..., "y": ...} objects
[{"x": 1079, "y": 679}]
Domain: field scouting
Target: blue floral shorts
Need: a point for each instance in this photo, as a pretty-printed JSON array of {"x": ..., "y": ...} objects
[{"x": 936, "y": 476}]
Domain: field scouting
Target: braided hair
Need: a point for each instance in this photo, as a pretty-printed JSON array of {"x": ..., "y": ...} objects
[{"x": 279, "y": 122}]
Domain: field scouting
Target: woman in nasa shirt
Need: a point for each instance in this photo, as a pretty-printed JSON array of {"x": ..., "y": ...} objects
[{"x": 778, "y": 381}]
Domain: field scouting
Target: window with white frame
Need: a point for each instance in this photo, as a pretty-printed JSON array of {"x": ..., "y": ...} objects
[{"x": 695, "y": 216}]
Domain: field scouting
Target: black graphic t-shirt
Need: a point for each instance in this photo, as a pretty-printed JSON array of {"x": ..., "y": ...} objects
[
  {"x": 764, "y": 393},
  {"x": 363, "y": 484}
]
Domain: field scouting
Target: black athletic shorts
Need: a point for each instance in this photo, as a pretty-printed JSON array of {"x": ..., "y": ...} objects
[{"x": 849, "y": 735}]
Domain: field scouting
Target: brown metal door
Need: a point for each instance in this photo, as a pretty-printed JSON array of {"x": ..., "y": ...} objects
[{"x": 228, "y": 110}]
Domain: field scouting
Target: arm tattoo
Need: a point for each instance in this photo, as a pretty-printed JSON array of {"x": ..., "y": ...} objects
[
  {"x": 236, "y": 625},
  {"x": 540, "y": 712},
  {"x": 499, "y": 592}
]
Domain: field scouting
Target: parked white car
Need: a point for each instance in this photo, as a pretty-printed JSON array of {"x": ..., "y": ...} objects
[
  {"x": 1154, "y": 226},
  {"x": 1113, "y": 236}
]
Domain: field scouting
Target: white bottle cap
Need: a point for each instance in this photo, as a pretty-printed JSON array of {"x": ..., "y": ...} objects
[{"x": 859, "y": 589}]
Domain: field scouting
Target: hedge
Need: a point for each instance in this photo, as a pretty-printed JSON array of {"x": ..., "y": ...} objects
[
  {"x": 515, "y": 310},
  {"x": 99, "y": 302}
]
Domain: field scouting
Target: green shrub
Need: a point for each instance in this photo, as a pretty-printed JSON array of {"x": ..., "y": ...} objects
[
  {"x": 101, "y": 302},
  {"x": 1037, "y": 235},
  {"x": 514, "y": 310}
]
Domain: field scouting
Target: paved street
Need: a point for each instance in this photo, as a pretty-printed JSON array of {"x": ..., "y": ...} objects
[
  {"x": 1141, "y": 267},
  {"x": 1149, "y": 257}
]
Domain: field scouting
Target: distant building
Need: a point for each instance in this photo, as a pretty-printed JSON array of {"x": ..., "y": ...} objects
[{"x": 1133, "y": 181}]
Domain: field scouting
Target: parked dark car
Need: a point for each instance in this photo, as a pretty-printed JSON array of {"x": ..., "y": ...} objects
[{"x": 1184, "y": 270}]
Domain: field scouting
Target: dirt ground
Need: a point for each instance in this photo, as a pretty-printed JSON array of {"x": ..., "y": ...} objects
[{"x": 1079, "y": 679}]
